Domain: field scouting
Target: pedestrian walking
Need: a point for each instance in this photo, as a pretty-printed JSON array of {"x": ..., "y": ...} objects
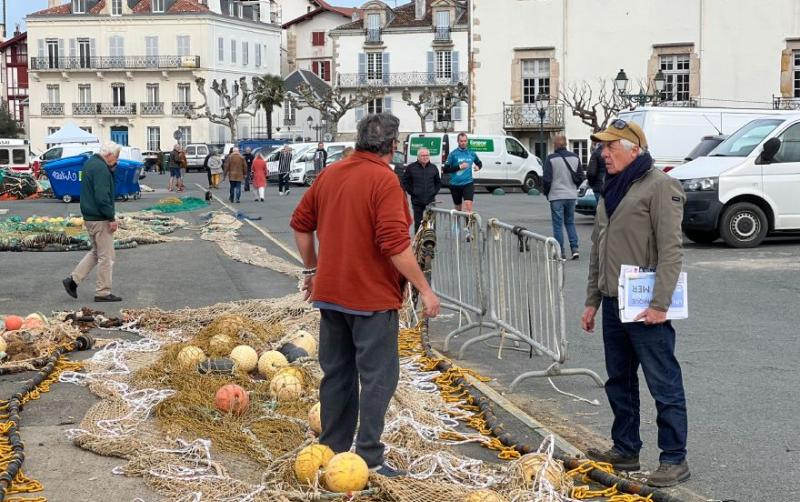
[
  {"x": 422, "y": 182},
  {"x": 284, "y": 166},
  {"x": 99, "y": 218},
  {"x": 211, "y": 153},
  {"x": 260, "y": 176},
  {"x": 562, "y": 175},
  {"x": 235, "y": 170},
  {"x": 357, "y": 208},
  {"x": 596, "y": 172},
  {"x": 248, "y": 157},
  {"x": 638, "y": 223},
  {"x": 176, "y": 162},
  {"x": 348, "y": 151},
  {"x": 320, "y": 158},
  {"x": 460, "y": 164}
]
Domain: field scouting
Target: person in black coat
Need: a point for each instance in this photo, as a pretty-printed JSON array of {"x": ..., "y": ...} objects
[
  {"x": 596, "y": 172},
  {"x": 422, "y": 182},
  {"x": 248, "y": 157}
]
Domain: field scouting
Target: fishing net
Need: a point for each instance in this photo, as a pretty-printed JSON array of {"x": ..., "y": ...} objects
[
  {"x": 177, "y": 205},
  {"x": 17, "y": 186}
]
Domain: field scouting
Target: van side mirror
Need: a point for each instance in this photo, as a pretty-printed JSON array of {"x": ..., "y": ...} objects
[{"x": 771, "y": 148}]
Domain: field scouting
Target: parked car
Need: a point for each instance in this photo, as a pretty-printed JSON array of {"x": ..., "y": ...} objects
[
  {"x": 196, "y": 154},
  {"x": 305, "y": 163},
  {"x": 71, "y": 149},
  {"x": 15, "y": 154},
  {"x": 586, "y": 203},
  {"x": 705, "y": 146},
  {"x": 298, "y": 149},
  {"x": 506, "y": 162},
  {"x": 398, "y": 164},
  {"x": 746, "y": 188}
]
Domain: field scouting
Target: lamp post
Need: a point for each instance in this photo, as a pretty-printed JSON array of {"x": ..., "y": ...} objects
[
  {"x": 641, "y": 98},
  {"x": 541, "y": 110}
]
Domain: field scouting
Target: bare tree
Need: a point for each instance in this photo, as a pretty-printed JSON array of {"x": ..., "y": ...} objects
[
  {"x": 443, "y": 100},
  {"x": 334, "y": 103},
  {"x": 594, "y": 106},
  {"x": 235, "y": 102}
]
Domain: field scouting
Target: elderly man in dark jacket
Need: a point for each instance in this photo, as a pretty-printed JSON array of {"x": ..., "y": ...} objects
[
  {"x": 422, "y": 182},
  {"x": 97, "y": 208}
]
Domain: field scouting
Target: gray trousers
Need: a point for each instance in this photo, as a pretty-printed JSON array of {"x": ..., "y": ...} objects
[{"x": 355, "y": 349}]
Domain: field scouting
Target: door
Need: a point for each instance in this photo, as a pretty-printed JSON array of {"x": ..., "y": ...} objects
[
  {"x": 782, "y": 177},
  {"x": 515, "y": 161},
  {"x": 119, "y": 135}
]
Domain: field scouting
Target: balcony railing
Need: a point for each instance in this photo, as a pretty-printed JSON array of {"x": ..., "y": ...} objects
[
  {"x": 84, "y": 108},
  {"x": 182, "y": 108},
  {"x": 689, "y": 103},
  {"x": 151, "y": 108},
  {"x": 526, "y": 116},
  {"x": 116, "y": 109},
  {"x": 115, "y": 63},
  {"x": 52, "y": 109},
  {"x": 401, "y": 79},
  {"x": 442, "y": 34},
  {"x": 373, "y": 36},
  {"x": 785, "y": 103}
]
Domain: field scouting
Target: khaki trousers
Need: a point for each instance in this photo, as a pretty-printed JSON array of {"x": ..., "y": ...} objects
[{"x": 101, "y": 255}]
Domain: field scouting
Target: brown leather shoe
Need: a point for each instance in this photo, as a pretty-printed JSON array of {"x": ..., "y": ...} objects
[
  {"x": 107, "y": 298},
  {"x": 669, "y": 475},
  {"x": 611, "y": 456}
]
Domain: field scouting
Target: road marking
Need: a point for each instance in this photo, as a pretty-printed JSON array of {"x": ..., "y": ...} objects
[{"x": 265, "y": 233}]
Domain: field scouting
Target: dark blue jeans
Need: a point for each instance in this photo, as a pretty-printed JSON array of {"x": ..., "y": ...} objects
[
  {"x": 563, "y": 214},
  {"x": 653, "y": 347},
  {"x": 236, "y": 191}
]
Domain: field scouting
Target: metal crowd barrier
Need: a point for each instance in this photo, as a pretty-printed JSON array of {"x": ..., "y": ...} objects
[{"x": 457, "y": 275}]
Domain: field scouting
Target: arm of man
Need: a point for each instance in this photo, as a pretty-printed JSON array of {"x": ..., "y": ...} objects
[
  {"x": 103, "y": 184},
  {"x": 437, "y": 181},
  {"x": 406, "y": 263},
  {"x": 477, "y": 161},
  {"x": 408, "y": 180},
  {"x": 450, "y": 165},
  {"x": 593, "y": 297},
  {"x": 304, "y": 224},
  {"x": 547, "y": 176}
]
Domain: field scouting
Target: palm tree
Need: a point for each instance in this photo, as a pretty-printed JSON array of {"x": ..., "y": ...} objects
[{"x": 269, "y": 93}]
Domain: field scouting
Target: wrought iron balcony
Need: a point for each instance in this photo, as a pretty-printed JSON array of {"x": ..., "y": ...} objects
[
  {"x": 52, "y": 109},
  {"x": 689, "y": 103},
  {"x": 785, "y": 103},
  {"x": 373, "y": 36},
  {"x": 151, "y": 108},
  {"x": 519, "y": 116},
  {"x": 402, "y": 79},
  {"x": 85, "y": 108},
  {"x": 114, "y": 63},
  {"x": 442, "y": 34},
  {"x": 116, "y": 109},
  {"x": 182, "y": 108}
]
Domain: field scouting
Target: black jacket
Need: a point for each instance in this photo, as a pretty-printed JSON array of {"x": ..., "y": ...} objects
[
  {"x": 421, "y": 183},
  {"x": 596, "y": 171},
  {"x": 320, "y": 161}
]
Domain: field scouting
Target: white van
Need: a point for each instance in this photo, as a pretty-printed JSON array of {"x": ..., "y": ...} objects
[
  {"x": 747, "y": 187},
  {"x": 305, "y": 163},
  {"x": 673, "y": 132},
  {"x": 15, "y": 155},
  {"x": 506, "y": 162},
  {"x": 298, "y": 149},
  {"x": 71, "y": 149}
]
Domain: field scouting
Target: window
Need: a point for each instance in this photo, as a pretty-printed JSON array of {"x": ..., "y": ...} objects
[
  {"x": 154, "y": 139},
  {"x": 373, "y": 28},
  {"x": 151, "y": 48},
  {"x": 535, "y": 79},
  {"x": 257, "y": 47},
  {"x": 85, "y": 93},
  {"x": 116, "y": 47},
  {"x": 318, "y": 38},
  {"x": 78, "y": 6},
  {"x": 444, "y": 64},
  {"x": 796, "y": 73},
  {"x": 116, "y": 7},
  {"x": 152, "y": 93},
  {"x": 289, "y": 114},
  {"x": 239, "y": 11},
  {"x": 245, "y": 53},
  {"x": 581, "y": 149},
  {"x": 443, "y": 19},
  {"x": 118, "y": 94},
  {"x": 256, "y": 12},
  {"x": 84, "y": 53},
  {"x": 322, "y": 69},
  {"x": 186, "y": 135},
  {"x": 184, "y": 93},
  {"x": 158, "y": 5},
  {"x": 183, "y": 45},
  {"x": 514, "y": 148},
  {"x": 444, "y": 110},
  {"x": 375, "y": 65},
  {"x": 230, "y": 8},
  {"x": 676, "y": 71},
  {"x": 52, "y": 53},
  {"x": 53, "y": 93},
  {"x": 790, "y": 145},
  {"x": 221, "y": 50},
  {"x": 233, "y": 51},
  {"x": 375, "y": 106}
]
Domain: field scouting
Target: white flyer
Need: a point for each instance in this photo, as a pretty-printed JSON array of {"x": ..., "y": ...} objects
[{"x": 636, "y": 292}]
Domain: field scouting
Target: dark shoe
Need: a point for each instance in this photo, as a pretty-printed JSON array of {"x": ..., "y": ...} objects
[
  {"x": 389, "y": 472},
  {"x": 70, "y": 286},
  {"x": 669, "y": 475},
  {"x": 611, "y": 456},
  {"x": 109, "y": 298},
  {"x": 238, "y": 201},
  {"x": 575, "y": 254}
]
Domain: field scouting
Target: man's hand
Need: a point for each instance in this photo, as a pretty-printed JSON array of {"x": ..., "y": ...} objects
[
  {"x": 431, "y": 303},
  {"x": 587, "y": 319},
  {"x": 308, "y": 285},
  {"x": 113, "y": 225},
  {"x": 463, "y": 165},
  {"x": 652, "y": 316}
]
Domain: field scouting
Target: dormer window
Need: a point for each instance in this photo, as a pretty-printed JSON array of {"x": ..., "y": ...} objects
[
  {"x": 116, "y": 7},
  {"x": 158, "y": 5},
  {"x": 443, "y": 19},
  {"x": 231, "y": 8},
  {"x": 79, "y": 6}
]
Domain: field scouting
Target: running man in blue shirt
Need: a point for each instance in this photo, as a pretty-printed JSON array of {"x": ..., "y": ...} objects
[{"x": 460, "y": 164}]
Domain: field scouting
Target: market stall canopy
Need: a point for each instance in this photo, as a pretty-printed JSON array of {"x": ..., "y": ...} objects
[{"x": 71, "y": 133}]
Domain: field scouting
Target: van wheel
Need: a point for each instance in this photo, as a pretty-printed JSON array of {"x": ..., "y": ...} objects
[
  {"x": 491, "y": 189},
  {"x": 702, "y": 237},
  {"x": 67, "y": 198},
  {"x": 744, "y": 225},
  {"x": 531, "y": 181}
]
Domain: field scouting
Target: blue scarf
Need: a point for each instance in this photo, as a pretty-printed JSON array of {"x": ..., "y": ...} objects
[{"x": 617, "y": 185}]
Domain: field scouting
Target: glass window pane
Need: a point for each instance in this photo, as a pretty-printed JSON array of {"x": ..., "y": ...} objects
[{"x": 3, "y": 156}]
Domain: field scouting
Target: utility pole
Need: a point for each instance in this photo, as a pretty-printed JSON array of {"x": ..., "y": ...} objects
[{"x": 5, "y": 19}]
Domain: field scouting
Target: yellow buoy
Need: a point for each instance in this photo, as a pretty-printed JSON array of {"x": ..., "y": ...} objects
[
  {"x": 305, "y": 341},
  {"x": 484, "y": 496},
  {"x": 346, "y": 472},
  {"x": 285, "y": 387},
  {"x": 190, "y": 356},
  {"x": 245, "y": 358},
  {"x": 532, "y": 463},
  {"x": 291, "y": 370},
  {"x": 309, "y": 461},
  {"x": 270, "y": 362},
  {"x": 315, "y": 419}
]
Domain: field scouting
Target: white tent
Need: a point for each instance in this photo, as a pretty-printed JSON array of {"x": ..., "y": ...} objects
[{"x": 71, "y": 133}]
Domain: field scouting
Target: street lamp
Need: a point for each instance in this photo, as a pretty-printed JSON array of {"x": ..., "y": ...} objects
[
  {"x": 642, "y": 98},
  {"x": 542, "y": 103}
]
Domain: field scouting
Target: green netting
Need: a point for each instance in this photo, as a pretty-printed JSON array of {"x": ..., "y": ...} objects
[{"x": 177, "y": 205}]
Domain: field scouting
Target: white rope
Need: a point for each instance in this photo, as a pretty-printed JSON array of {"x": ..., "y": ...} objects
[{"x": 593, "y": 402}]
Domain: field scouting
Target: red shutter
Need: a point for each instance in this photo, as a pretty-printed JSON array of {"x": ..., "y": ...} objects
[
  {"x": 326, "y": 71},
  {"x": 318, "y": 38},
  {"x": 315, "y": 67}
]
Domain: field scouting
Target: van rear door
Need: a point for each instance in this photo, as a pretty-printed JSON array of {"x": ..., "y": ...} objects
[{"x": 782, "y": 177}]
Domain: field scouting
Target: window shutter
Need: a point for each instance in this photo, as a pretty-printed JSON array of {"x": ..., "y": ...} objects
[
  {"x": 359, "y": 114},
  {"x": 315, "y": 68},
  {"x": 456, "y": 112},
  {"x": 326, "y": 68},
  {"x": 455, "y": 67},
  {"x": 431, "y": 67},
  {"x": 362, "y": 68},
  {"x": 387, "y": 104},
  {"x": 385, "y": 68},
  {"x": 73, "y": 48},
  {"x": 92, "y": 47},
  {"x": 60, "y": 48},
  {"x": 41, "y": 48}
]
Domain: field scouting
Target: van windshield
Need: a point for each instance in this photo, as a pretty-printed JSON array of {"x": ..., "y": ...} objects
[{"x": 743, "y": 142}]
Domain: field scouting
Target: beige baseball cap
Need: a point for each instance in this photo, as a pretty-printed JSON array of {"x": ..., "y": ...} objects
[{"x": 621, "y": 129}]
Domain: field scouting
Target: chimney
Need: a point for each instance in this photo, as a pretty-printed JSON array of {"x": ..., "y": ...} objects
[
  {"x": 53, "y": 3},
  {"x": 419, "y": 12}
]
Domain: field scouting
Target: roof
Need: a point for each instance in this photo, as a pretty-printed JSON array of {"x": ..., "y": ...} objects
[
  {"x": 324, "y": 7},
  {"x": 405, "y": 17},
  {"x": 11, "y": 41},
  {"x": 297, "y": 77},
  {"x": 137, "y": 6}
]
